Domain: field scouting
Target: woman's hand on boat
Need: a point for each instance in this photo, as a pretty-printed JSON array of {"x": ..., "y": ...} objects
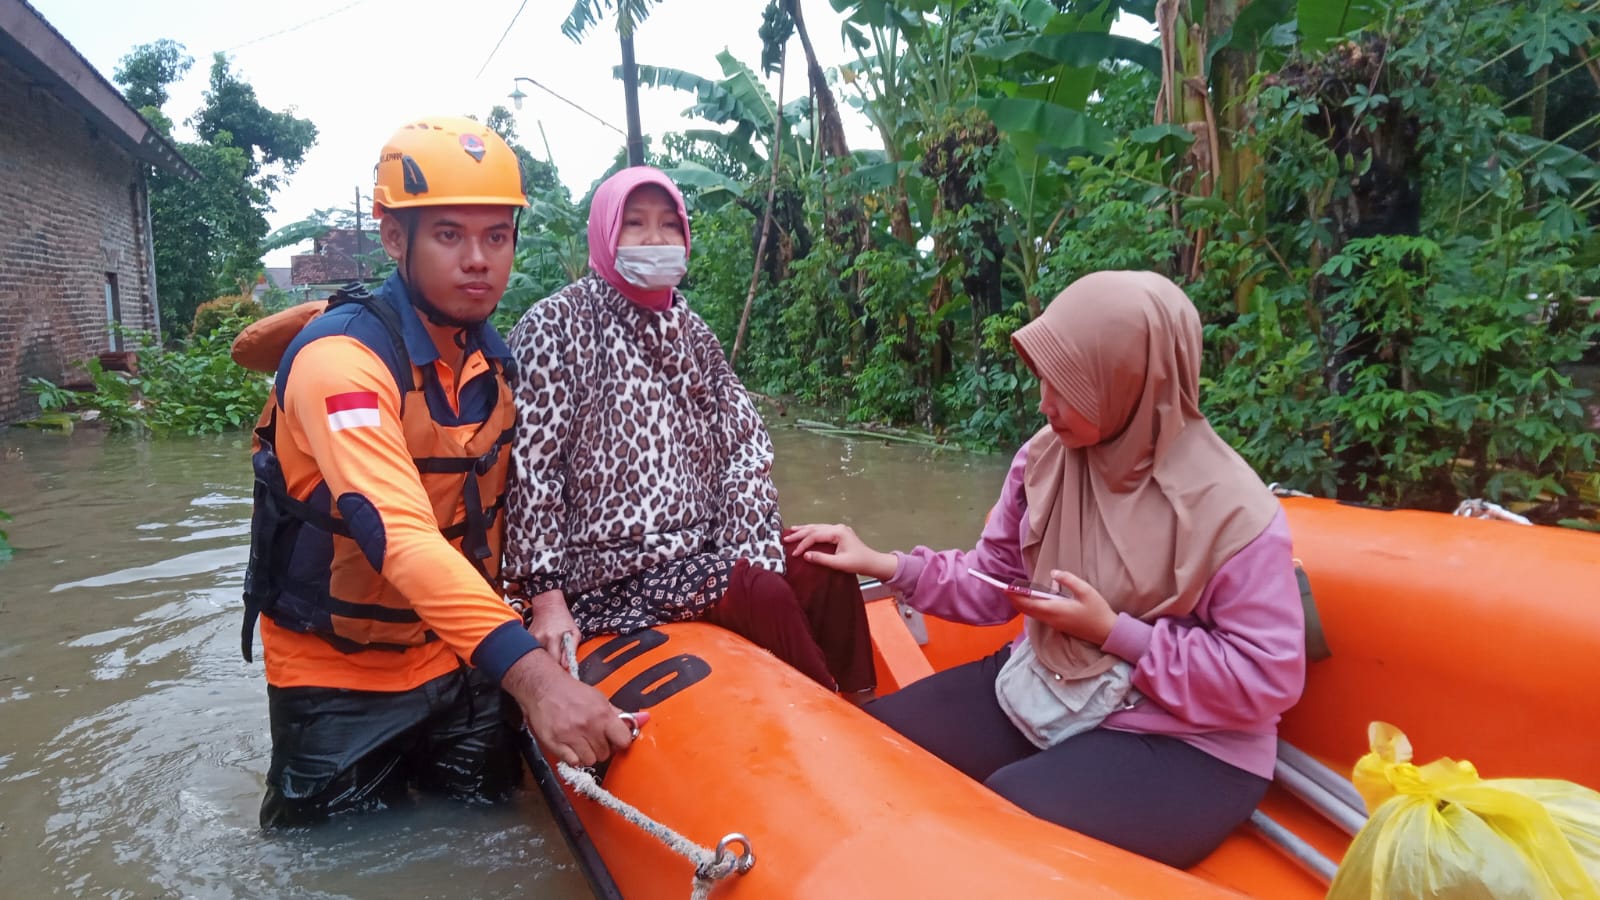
[
  {"x": 1080, "y": 610},
  {"x": 551, "y": 620},
  {"x": 573, "y": 722},
  {"x": 838, "y": 547}
]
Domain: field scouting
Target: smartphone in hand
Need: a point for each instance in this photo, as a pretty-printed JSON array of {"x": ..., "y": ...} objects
[{"x": 1018, "y": 586}]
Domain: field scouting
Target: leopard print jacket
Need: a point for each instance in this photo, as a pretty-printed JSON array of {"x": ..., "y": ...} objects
[{"x": 641, "y": 470}]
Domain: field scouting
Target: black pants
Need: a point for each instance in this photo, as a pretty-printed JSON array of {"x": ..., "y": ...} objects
[
  {"x": 336, "y": 750},
  {"x": 1151, "y": 794}
]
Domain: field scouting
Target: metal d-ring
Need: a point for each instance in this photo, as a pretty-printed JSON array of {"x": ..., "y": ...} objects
[
  {"x": 632, "y": 722},
  {"x": 745, "y": 861}
]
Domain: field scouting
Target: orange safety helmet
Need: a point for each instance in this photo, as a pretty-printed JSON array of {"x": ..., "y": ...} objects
[{"x": 446, "y": 161}]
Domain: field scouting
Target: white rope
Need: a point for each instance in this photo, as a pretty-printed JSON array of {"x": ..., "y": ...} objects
[
  {"x": 710, "y": 866},
  {"x": 1279, "y": 490},
  {"x": 1483, "y": 509}
]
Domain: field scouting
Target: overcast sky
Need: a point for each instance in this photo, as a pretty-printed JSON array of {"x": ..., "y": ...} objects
[{"x": 359, "y": 68}]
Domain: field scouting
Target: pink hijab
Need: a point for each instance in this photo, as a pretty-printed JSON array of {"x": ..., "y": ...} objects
[
  {"x": 1151, "y": 512},
  {"x": 605, "y": 224}
]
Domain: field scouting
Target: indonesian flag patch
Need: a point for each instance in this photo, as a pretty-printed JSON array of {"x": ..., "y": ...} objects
[{"x": 356, "y": 409}]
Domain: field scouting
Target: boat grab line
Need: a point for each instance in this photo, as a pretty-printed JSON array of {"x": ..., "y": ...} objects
[{"x": 710, "y": 866}]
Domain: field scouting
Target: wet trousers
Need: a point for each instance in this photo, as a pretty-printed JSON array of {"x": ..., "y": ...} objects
[
  {"x": 1152, "y": 794},
  {"x": 812, "y": 618},
  {"x": 336, "y": 750}
]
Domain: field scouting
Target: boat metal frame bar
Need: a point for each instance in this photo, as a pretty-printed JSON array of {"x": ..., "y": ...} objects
[
  {"x": 572, "y": 828},
  {"x": 1319, "y": 798},
  {"x": 873, "y": 589},
  {"x": 1325, "y": 791},
  {"x": 1295, "y": 846},
  {"x": 1330, "y": 781}
]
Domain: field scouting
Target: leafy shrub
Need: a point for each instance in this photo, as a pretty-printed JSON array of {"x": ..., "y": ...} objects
[{"x": 238, "y": 310}]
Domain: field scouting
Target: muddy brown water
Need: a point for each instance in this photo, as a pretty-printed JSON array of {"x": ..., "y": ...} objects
[{"x": 133, "y": 738}]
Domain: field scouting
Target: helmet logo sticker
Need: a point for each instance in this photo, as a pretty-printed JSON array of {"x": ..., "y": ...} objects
[{"x": 473, "y": 145}]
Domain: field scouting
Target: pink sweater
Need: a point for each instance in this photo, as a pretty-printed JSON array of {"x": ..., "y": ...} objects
[{"x": 1218, "y": 679}]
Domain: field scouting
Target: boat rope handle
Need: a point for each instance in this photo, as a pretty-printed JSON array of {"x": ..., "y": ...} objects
[
  {"x": 1483, "y": 509},
  {"x": 710, "y": 866},
  {"x": 1279, "y": 490}
]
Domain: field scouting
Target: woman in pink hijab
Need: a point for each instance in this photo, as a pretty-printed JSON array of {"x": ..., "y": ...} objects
[
  {"x": 1163, "y": 633},
  {"x": 642, "y": 474}
]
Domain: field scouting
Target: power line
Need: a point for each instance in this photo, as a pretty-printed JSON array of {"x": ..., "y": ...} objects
[
  {"x": 312, "y": 21},
  {"x": 570, "y": 103},
  {"x": 502, "y": 40}
]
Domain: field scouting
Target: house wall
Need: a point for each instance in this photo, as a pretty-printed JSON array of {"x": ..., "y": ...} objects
[{"x": 72, "y": 210}]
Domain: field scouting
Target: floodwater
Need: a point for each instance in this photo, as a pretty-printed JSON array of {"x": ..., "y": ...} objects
[{"x": 133, "y": 738}]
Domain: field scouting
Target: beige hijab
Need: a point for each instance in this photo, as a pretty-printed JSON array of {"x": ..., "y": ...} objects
[{"x": 1151, "y": 512}]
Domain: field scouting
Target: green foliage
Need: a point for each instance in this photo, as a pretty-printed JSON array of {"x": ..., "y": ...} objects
[
  {"x": 1322, "y": 22},
  {"x": 992, "y": 400},
  {"x": 114, "y": 399},
  {"x": 719, "y": 267},
  {"x": 1437, "y": 361},
  {"x": 234, "y": 312},
  {"x": 51, "y": 396},
  {"x": 741, "y": 100},
  {"x": 552, "y": 251},
  {"x": 311, "y": 228},
  {"x": 209, "y": 233},
  {"x": 200, "y": 389},
  {"x": 586, "y": 14},
  {"x": 206, "y": 231},
  {"x": 1392, "y": 326},
  {"x": 145, "y": 73},
  {"x": 194, "y": 389},
  {"x": 1467, "y": 388},
  {"x": 232, "y": 116},
  {"x": 892, "y": 381}
]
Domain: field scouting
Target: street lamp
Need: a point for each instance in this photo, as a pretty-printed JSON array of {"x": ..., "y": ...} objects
[{"x": 634, "y": 141}]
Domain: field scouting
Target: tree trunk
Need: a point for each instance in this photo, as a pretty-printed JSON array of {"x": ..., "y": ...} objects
[
  {"x": 630, "y": 96},
  {"x": 844, "y": 225},
  {"x": 1536, "y": 124},
  {"x": 1239, "y": 169},
  {"x": 831, "y": 134},
  {"x": 766, "y": 218},
  {"x": 1184, "y": 101}
]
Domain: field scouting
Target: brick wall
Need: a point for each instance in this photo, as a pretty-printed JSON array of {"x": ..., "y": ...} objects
[
  {"x": 70, "y": 212},
  {"x": 332, "y": 259}
]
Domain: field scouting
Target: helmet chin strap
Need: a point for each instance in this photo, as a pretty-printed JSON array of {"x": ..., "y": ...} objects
[{"x": 436, "y": 315}]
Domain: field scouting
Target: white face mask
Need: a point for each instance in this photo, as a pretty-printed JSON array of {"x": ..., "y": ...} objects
[{"x": 652, "y": 268}]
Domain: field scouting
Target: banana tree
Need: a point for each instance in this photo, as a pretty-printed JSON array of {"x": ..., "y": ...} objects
[
  {"x": 585, "y": 15},
  {"x": 876, "y": 32},
  {"x": 1211, "y": 52},
  {"x": 1044, "y": 84},
  {"x": 830, "y": 129},
  {"x": 741, "y": 99}
]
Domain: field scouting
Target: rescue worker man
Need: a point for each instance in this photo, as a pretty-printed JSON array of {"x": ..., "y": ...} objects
[{"x": 375, "y": 541}]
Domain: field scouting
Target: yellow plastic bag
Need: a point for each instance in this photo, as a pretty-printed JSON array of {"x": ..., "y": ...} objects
[{"x": 1439, "y": 831}]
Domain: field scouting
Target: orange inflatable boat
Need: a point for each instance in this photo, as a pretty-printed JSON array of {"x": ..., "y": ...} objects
[{"x": 1477, "y": 638}]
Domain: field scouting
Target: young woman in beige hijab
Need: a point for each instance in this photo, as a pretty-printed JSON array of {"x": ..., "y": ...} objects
[{"x": 1140, "y": 703}]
